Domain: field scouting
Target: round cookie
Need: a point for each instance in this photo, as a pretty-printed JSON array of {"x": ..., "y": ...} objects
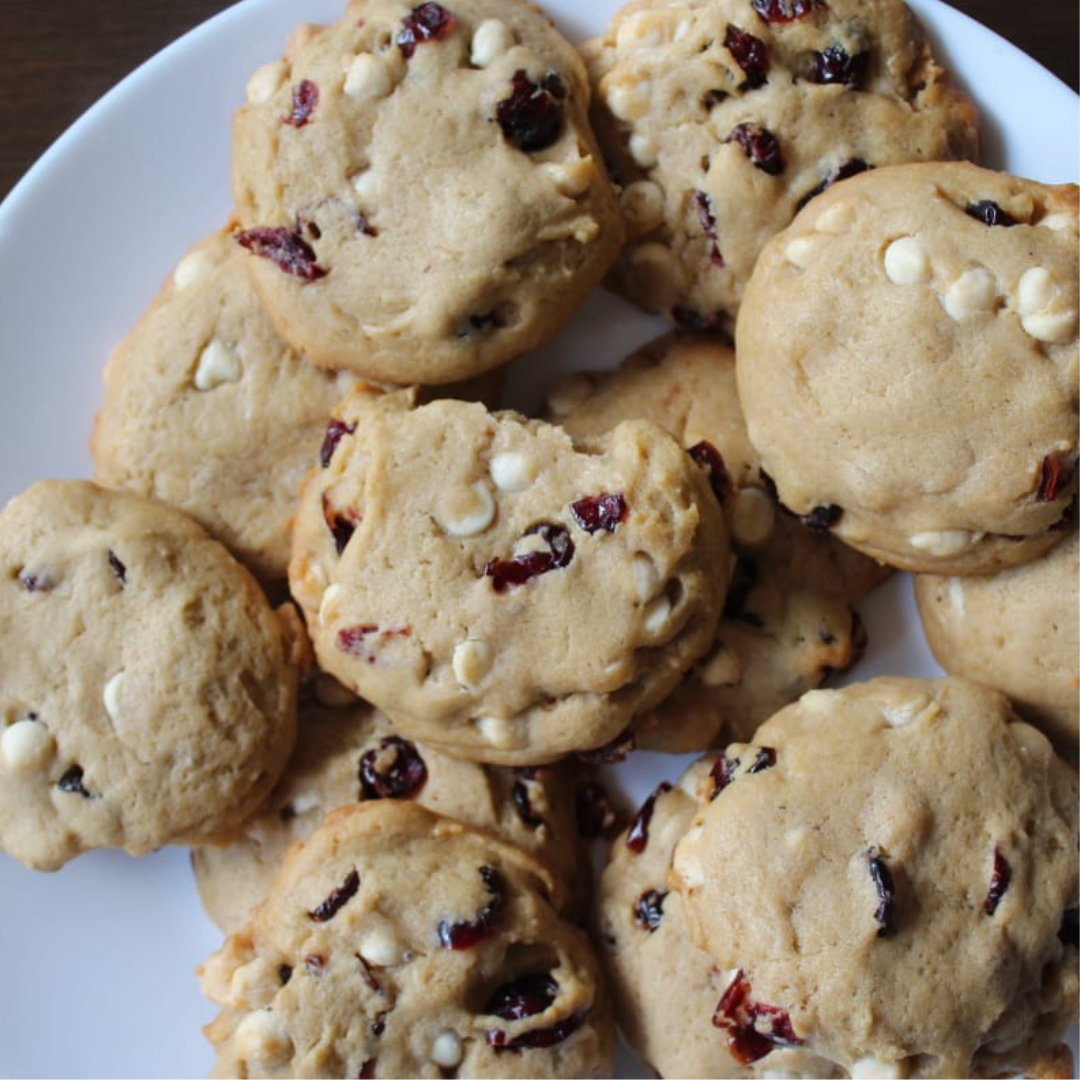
[
  {"x": 1016, "y": 631},
  {"x": 790, "y": 616},
  {"x": 907, "y": 362},
  {"x": 722, "y": 118},
  {"x": 149, "y": 690},
  {"x": 890, "y": 877},
  {"x": 348, "y": 752},
  {"x": 209, "y": 410},
  {"x": 397, "y": 942},
  {"x": 500, "y": 592},
  {"x": 434, "y": 258}
]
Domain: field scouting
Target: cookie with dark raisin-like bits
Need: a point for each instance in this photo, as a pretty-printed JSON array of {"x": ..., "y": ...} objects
[
  {"x": 889, "y": 877},
  {"x": 397, "y": 942},
  {"x": 209, "y": 410},
  {"x": 149, "y": 688},
  {"x": 346, "y": 752},
  {"x": 1016, "y": 631},
  {"x": 499, "y": 591},
  {"x": 790, "y": 616},
  {"x": 721, "y": 118},
  {"x": 419, "y": 188},
  {"x": 907, "y": 360}
]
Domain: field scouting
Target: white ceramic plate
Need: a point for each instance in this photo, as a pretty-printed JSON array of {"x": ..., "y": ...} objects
[{"x": 98, "y": 959}]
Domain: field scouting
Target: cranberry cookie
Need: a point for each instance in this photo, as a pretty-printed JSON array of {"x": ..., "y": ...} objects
[
  {"x": 721, "y": 118},
  {"x": 348, "y": 752},
  {"x": 419, "y": 188},
  {"x": 1016, "y": 631},
  {"x": 209, "y": 410},
  {"x": 907, "y": 362},
  {"x": 397, "y": 942},
  {"x": 500, "y": 592},
  {"x": 149, "y": 690},
  {"x": 789, "y": 618},
  {"x": 889, "y": 878}
]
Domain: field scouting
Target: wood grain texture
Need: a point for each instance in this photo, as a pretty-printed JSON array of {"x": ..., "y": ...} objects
[{"x": 57, "y": 57}]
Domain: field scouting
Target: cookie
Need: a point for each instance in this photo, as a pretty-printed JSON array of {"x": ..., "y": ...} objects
[
  {"x": 500, "y": 592},
  {"x": 397, "y": 942},
  {"x": 907, "y": 362},
  {"x": 149, "y": 690},
  {"x": 889, "y": 876},
  {"x": 348, "y": 752},
  {"x": 722, "y": 118},
  {"x": 420, "y": 190},
  {"x": 790, "y": 616},
  {"x": 1016, "y": 631},
  {"x": 209, "y": 410}
]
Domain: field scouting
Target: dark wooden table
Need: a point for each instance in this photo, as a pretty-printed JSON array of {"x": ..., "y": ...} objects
[{"x": 59, "y": 56}]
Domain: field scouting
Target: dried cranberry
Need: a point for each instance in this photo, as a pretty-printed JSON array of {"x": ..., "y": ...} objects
[
  {"x": 364, "y": 226},
  {"x": 596, "y": 816},
  {"x": 851, "y": 167},
  {"x": 595, "y": 512},
  {"x": 722, "y": 772},
  {"x": 834, "y": 65},
  {"x": 522, "y": 998},
  {"x": 337, "y": 899},
  {"x": 340, "y": 526},
  {"x": 822, "y": 517},
  {"x": 367, "y": 1070},
  {"x": 288, "y": 250},
  {"x": 305, "y": 96},
  {"x": 531, "y": 117},
  {"x": 785, "y": 11},
  {"x": 999, "y": 882},
  {"x": 884, "y": 914},
  {"x": 637, "y": 837},
  {"x": 520, "y": 569},
  {"x": 393, "y": 771},
  {"x": 426, "y": 22},
  {"x": 764, "y": 759},
  {"x": 539, "y": 1038},
  {"x": 649, "y": 909},
  {"x": 1054, "y": 474},
  {"x": 72, "y": 782},
  {"x": 353, "y": 639},
  {"x": 750, "y": 54},
  {"x": 708, "y": 223},
  {"x": 370, "y": 982},
  {"x": 522, "y": 800},
  {"x": 754, "y": 1028},
  {"x": 611, "y": 753},
  {"x": 710, "y": 459},
  {"x": 34, "y": 581},
  {"x": 314, "y": 963},
  {"x": 118, "y": 568},
  {"x": 336, "y": 430},
  {"x": 760, "y": 146},
  {"x": 989, "y": 213},
  {"x": 464, "y": 935}
]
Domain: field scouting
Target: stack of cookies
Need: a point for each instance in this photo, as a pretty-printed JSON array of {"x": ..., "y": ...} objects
[{"x": 370, "y": 641}]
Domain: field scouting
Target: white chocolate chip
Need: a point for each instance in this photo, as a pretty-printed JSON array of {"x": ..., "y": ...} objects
[
  {"x": 642, "y": 31},
  {"x": 753, "y": 516},
  {"x": 472, "y": 512},
  {"x": 657, "y": 615},
  {"x": 381, "y": 949},
  {"x": 472, "y": 660},
  {"x": 629, "y": 101},
  {"x": 944, "y": 541},
  {"x": 111, "y": 695},
  {"x": 643, "y": 149},
  {"x": 818, "y": 701},
  {"x": 446, "y": 1050},
  {"x": 253, "y": 985},
  {"x": 800, "y": 251},
  {"x": 1054, "y": 327},
  {"x": 261, "y": 1036},
  {"x": 25, "y": 745},
  {"x": 264, "y": 81},
  {"x": 723, "y": 668},
  {"x": 906, "y": 262},
  {"x": 837, "y": 219},
  {"x": 1058, "y": 222},
  {"x": 368, "y": 78},
  {"x": 1036, "y": 292},
  {"x": 217, "y": 365},
  {"x": 492, "y": 38},
  {"x": 646, "y": 578},
  {"x": 642, "y": 205},
  {"x": 957, "y": 595},
  {"x": 329, "y": 599},
  {"x": 872, "y": 1068},
  {"x": 194, "y": 267},
  {"x": 500, "y": 733},
  {"x": 568, "y": 393},
  {"x": 365, "y": 185},
  {"x": 974, "y": 292},
  {"x": 917, "y": 708},
  {"x": 513, "y": 471},
  {"x": 571, "y": 178}
]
